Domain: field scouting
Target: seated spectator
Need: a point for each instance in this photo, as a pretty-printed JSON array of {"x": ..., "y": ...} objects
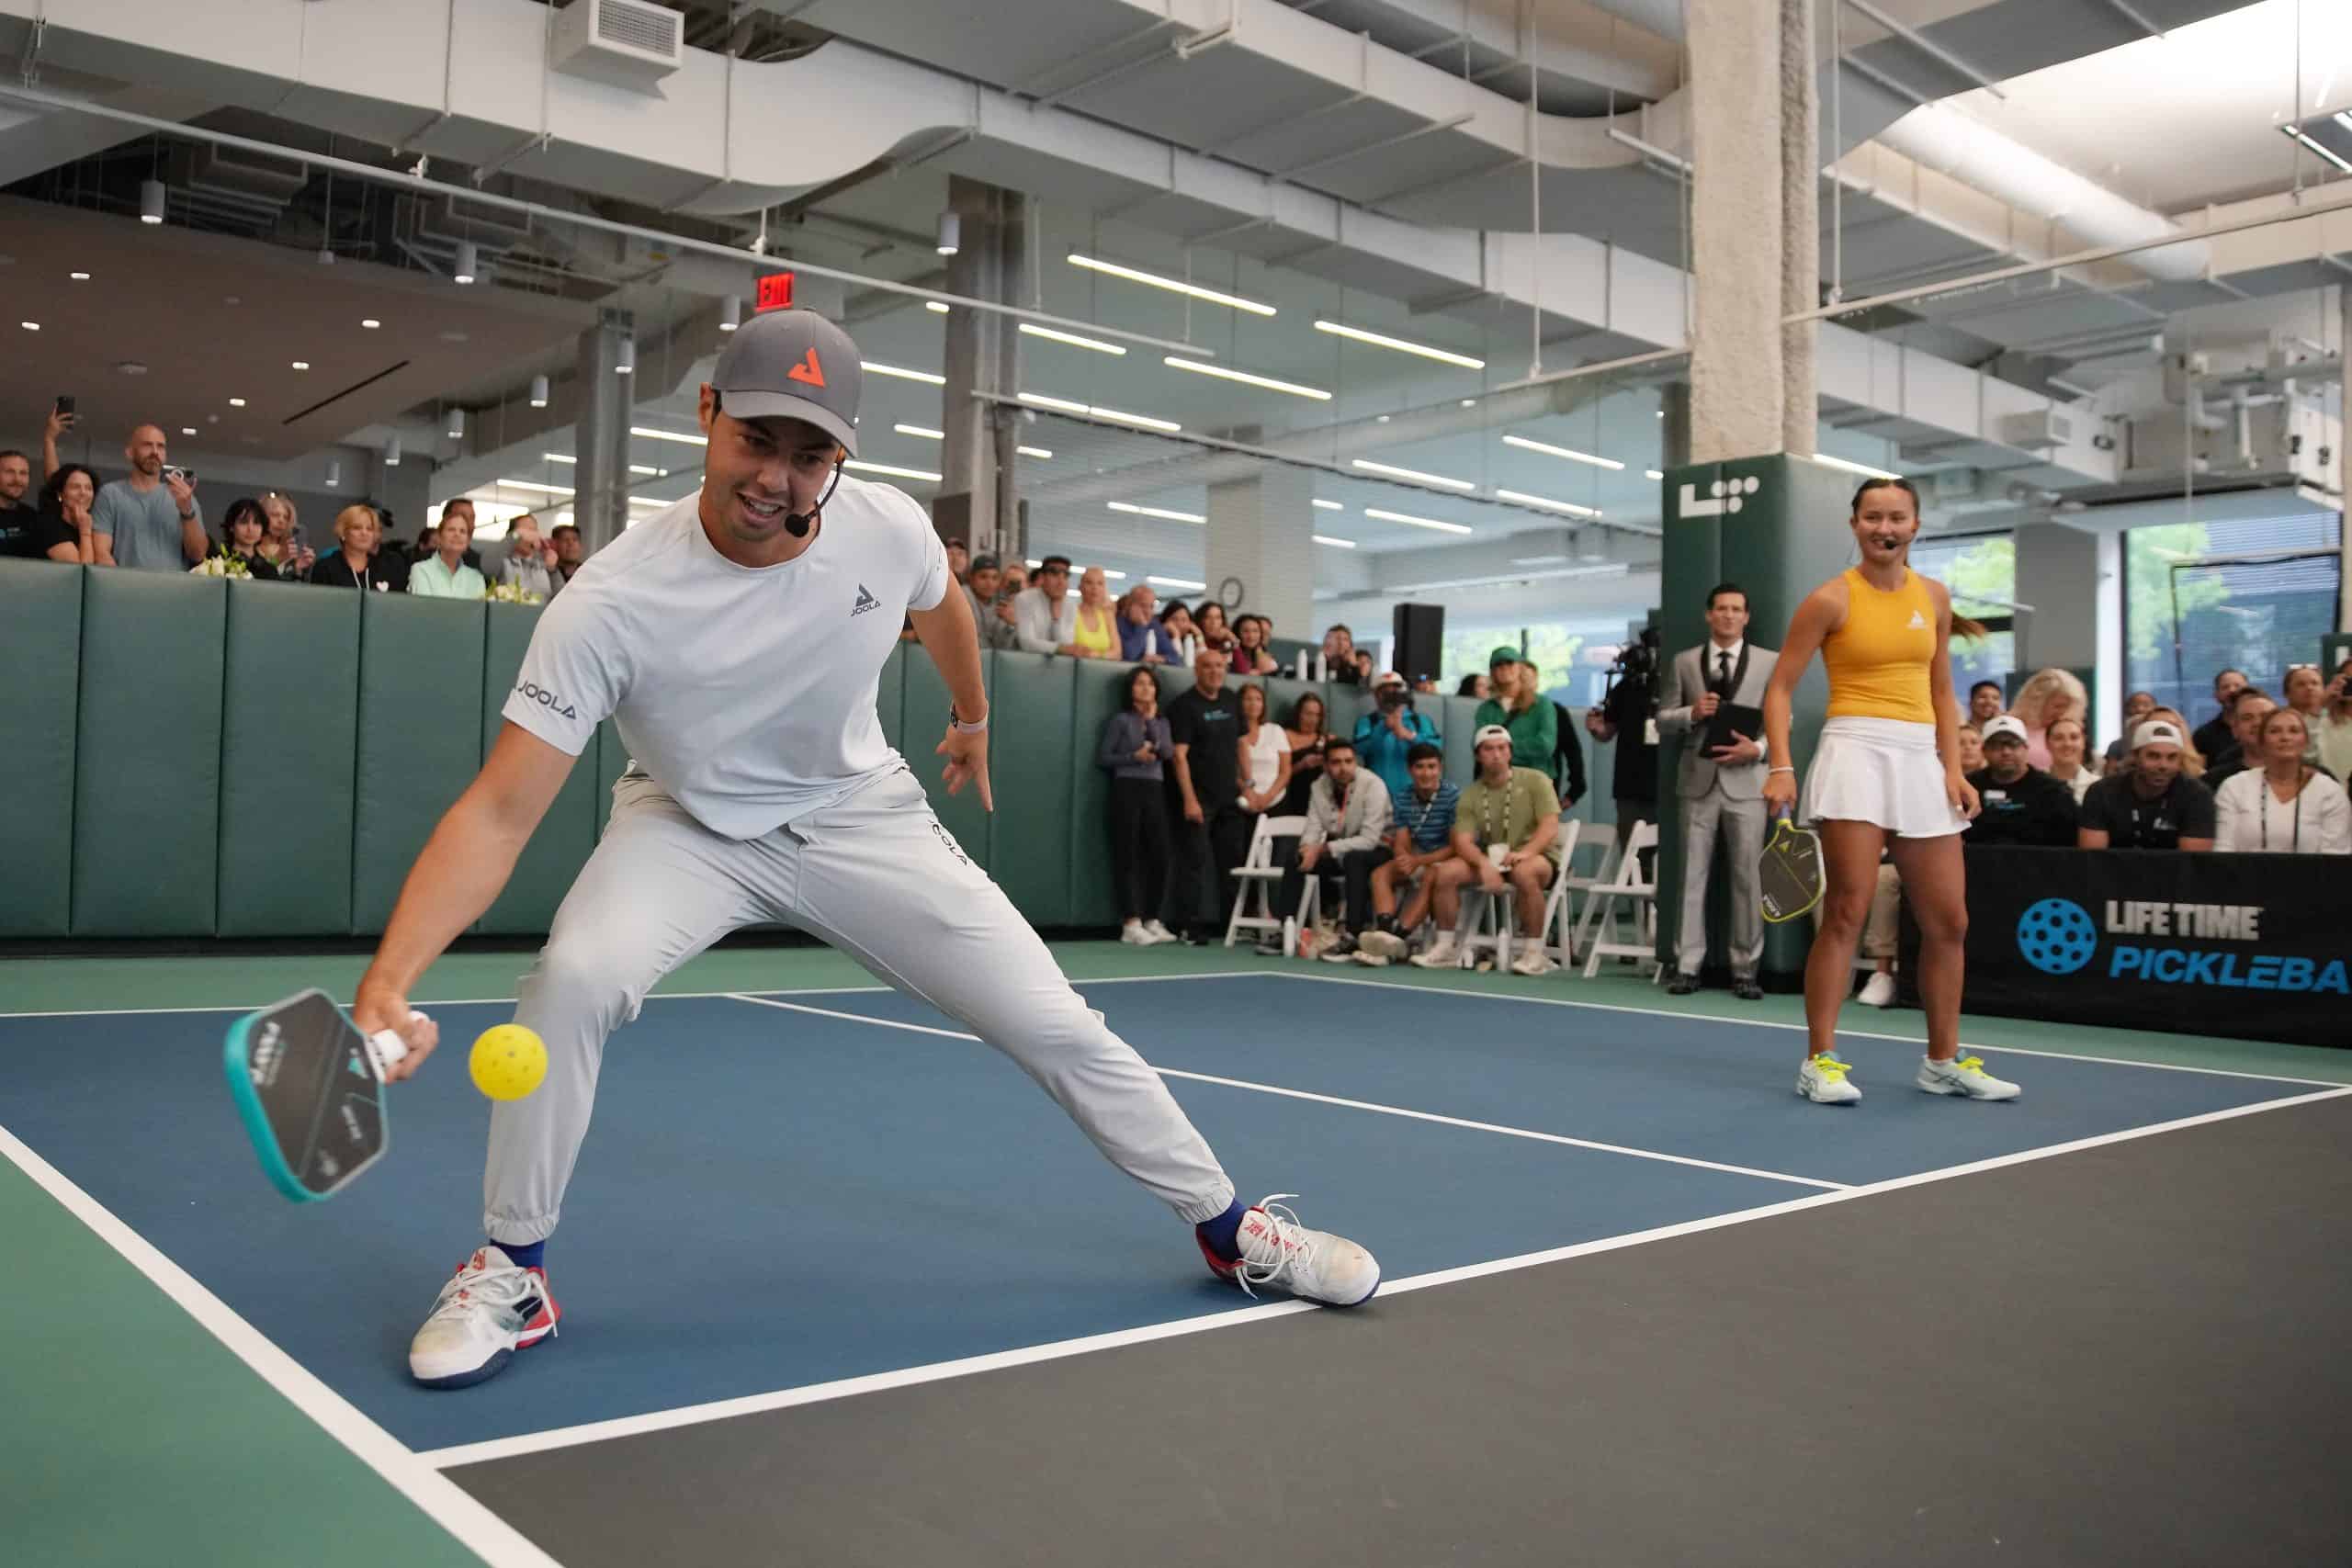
[
  {"x": 148, "y": 521},
  {"x": 2022, "y": 804},
  {"x": 1985, "y": 701},
  {"x": 2331, "y": 734},
  {"x": 1507, "y": 834},
  {"x": 1135, "y": 748},
  {"x": 569, "y": 553},
  {"x": 62, "y": 529},
  {"x": 1042, "y": 611},
  {"x": 460, "y": 507},
  {"x": 1971, "y": 746},
  {"x": 2192, "y": 761},
  {"x": 2212, "y": 738},
  {"x": 1265, "y": 754},
  {"x": 1308, "y": 733},
  {"x": 2306, "y": 690},
  {"x": 282, "y": 543},
  {"x": 18, "y": 515},
  {"x": 2067, "y": 764},
  {"x": 1251, "y": 656},
  {"x": 1475, "y": 685},
  {"x": 1339, "y": 656},
  {"x": 2049, "y": 696},
  {"x": 1519, "y": 707},
  {"x": 1093, "y": 629},
  {"x": 1391, "y": 729},
  {"x": 2137, "y": 707},
  {"x": 241, "y": 535},
  {"x": 1142, "y": 638},
  {"x": 2285, "y": 805},
  {"x": 1210, "y": 619},
  {"x": 2153, "y": 806},
  {"x": 1348, "y": 814},
  {"x": 959, "y": 561},
  {"x": 1183, "y": 637},
  {"x": 1420, "y": 847},
  {"x": 2249, "y": 706},
  {"x": 991, "y": 620},
  {"x": 445, "y": 574},
  {"x": 529, "y": 566},
  {"x": 360, "y": 561}
]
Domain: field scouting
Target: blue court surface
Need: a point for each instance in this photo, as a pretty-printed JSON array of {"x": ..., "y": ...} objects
[{"x": 773, "y": 1196}]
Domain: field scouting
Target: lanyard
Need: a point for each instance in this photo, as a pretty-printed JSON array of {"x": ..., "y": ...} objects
[
  {"x": 2295, "y": 843},
  {"x": 1486, "y": 807}
]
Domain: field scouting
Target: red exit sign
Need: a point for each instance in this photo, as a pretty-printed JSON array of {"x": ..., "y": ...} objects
[{"x": 775, "y": 291}]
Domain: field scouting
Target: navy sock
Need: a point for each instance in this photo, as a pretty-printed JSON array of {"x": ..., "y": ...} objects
[
  {"x": 1223, "y": 1235},
  {"x": 524, "y": 1254}
]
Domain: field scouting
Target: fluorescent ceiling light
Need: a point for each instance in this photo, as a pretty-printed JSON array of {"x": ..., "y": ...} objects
[
  {"x": 1044, "y": 401},
  {"x": 936, "y": 306},
  {"x": 1381, "y": 340},
  {"x": 1653, "y": 474},
  {"x": 903, "y": 374},
  {"x": 234, "y": 403},
  {"x": 1173, "y": 284},
  {"x": 650, "y": 501},
  {"x": 1155, "y": 512},
  {"x": 1147, "y": 421},
  {"x": 652, "y": 435},
  {"x": 1570, "y": 453},
  {"x": 921, "y": 431},
  {"x": 532, "y": 485},
  {"x": 864, "y": 468},
  {"x": 1096, "y": 344},
  {"x": 1416, "y": 522},
  {"x": 1615, "y": 568},
  {"x": 649, "y": 471},
  {"x": 301, "y": 365},
  {"x": 559, "y": 457},
  {"x": 1335, "y": 544},
  {"x": 1293, "y": 387},
  {"x": 1547, "y": 504},
  {"x": 371, "y": 323},
  {"x": 1853, "y": 467},
  {"x": 2330, "y": 153},
  {"x": 1177, "y": 582},
  {"x": 1370, "y": 467},
  {"x": 1324, "y": 505},
  {"x": 1033, "y": 451}
]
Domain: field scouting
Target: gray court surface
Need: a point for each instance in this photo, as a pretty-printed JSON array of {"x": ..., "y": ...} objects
[{"x": 2131, "y": 1354}]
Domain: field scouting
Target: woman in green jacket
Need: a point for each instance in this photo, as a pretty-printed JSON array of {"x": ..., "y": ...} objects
[{"x": 1521, "y": 707}]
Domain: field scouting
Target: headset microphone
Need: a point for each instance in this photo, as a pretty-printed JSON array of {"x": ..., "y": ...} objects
[{"x": 797, "y": 523}]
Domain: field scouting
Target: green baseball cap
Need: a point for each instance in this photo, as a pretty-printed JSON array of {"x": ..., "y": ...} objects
[{"x": 1503, "y": 655}]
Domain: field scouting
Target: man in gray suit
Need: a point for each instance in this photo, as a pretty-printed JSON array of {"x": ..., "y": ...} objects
[{"x": 1721, "y": 784}]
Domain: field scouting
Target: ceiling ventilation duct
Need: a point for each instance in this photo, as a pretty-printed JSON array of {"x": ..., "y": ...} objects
[{"x": 625, "y": 43}]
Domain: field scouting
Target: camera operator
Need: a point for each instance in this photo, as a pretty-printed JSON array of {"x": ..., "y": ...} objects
[
  {"x": 1627, "y": 713},
  {"x": 1384, "y": 736}
]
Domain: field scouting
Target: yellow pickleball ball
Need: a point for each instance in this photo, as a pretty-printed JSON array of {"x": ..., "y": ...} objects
[{"x": 508, "y": 1062}]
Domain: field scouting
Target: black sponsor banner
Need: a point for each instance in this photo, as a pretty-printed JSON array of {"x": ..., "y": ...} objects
[{"x": 2254, "y": 946}]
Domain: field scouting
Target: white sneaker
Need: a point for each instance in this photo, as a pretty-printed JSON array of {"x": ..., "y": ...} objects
[
  {"x": 1158, "y": 934},
  {"x": 1878, "y": 991},
  {"x": 1134, "y": 935},
  {"x": 1315, "y": 1265},
  {"x": 489, "y": 1310},
  {"x": 1822, "y": 1079},
  {"x": 1532, "y": 963},
  {"x": 1370, "y": 960},
  {"x": 1440, "y": 954},
  {"x": 1384, "y": 945},
  {"x": 1965, "y": 1077}
]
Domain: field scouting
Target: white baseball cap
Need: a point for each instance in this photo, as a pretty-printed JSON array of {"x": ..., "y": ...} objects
[
  {"x": 1490, "y": 732},
  {"x": 2155, "y": 732},
  {"x": 2005, "y": 723}
]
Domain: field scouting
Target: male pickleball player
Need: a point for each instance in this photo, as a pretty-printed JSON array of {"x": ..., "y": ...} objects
[{"x": 736, "y": 637}]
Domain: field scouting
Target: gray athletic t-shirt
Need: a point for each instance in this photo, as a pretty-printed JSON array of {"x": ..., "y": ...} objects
[
  {"x": 145, "y": 526},
  {"x": 746, "y": 692}
]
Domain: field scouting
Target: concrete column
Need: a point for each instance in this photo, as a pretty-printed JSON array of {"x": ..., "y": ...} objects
[
  {"x": 1737, "y": 255},
  {"x": 1674, "y": 430},
  {"x": 600, "y": 498},
  {"x": 983, "y": 355},
  {"x": 1260, "y": 532},
  {"x": 2344, "y": 462},
  {"x": 1800, "y": 224}
]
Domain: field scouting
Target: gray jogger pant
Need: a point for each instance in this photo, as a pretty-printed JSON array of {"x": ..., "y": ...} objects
[{"x": 877, "y": 876}]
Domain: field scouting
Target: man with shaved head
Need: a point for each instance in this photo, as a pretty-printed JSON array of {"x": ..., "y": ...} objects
[{"x": 150, "y": 519}]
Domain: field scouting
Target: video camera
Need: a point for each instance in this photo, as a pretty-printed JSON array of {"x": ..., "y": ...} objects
[{"x": 1637, "y": 662}]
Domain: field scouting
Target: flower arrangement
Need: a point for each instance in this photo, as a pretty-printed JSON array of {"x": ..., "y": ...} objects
[
  {"x": 220, "y": 564},
  {"x": 512, "y": 593}
]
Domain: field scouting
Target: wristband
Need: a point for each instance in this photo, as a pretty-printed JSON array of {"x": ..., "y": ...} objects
[
  {"x": 957, "y": 725},
  {"x": 1769, "y": 772}
]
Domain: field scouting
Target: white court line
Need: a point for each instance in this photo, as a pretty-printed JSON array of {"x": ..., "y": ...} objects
[
  {"x": 907, "y": 1377},
  {"x": 455, "y": 1510},
  {"x": 1349, "y": 1104},
  {"x": 1773, "y": 1023}
]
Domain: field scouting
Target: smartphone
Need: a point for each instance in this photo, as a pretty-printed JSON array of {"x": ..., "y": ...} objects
[
  {"x": 65, "y": 405},
  {"x": 185, "y": 476}
]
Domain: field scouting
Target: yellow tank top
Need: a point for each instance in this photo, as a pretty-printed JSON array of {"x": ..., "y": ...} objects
[
  {"x": 1878, "y": 660},
  {"x": 1100, "y": 641}
]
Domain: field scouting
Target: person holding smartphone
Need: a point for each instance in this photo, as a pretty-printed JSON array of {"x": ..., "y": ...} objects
[{"x": 149, "y": 520}]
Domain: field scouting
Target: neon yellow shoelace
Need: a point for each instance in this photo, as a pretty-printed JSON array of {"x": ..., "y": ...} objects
[{"x": 1830, "y": 1066}]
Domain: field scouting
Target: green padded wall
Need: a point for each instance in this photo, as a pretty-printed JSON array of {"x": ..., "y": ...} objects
[
  {"x": 420, "y": 735},
  {"x": 560, "y": 846},
  {"x": 289, "y": 721},
  {"x": 147, "y": 764},
  {"x": 41, "y": 646},
  {"x": 611, "y": 761},
  {"x": 961, "y": 814},
  {"x": 890, "y": 697},
  {"x": 1030, "y": 748},
  {"x": 1457, "y": 723},
  {"x": 1097, "y": 692}
]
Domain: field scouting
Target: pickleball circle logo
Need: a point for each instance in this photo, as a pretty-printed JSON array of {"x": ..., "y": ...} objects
[{"x": 2057, "y": 936}]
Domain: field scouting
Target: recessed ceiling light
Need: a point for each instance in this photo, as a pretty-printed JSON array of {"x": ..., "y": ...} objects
[
  {"x": 1381, "y": 340},
  {"x": 1569, "y": 452},
  {"x": 1185, "y": 582},
  {"x": 1335, "y": 544},
  {"x": 236, "y": 402},
  {"x": 1469, "y": 402},
  {"x": 652, "y": 435},
  {"x": 1222, "y": 373},
  {"x": 452, "y": 337},
  {"x": 893, "y": 472},
  {"x": 79, "y": 277},
  {"x": 918, "y": 430},
  {"x": 130, "y": 367},
  {"x": 936, "y": 306},
  {"x": 1173, "y": 284},
  {"x": 187, "y": 430},
  {"x": 1155, "y": 512},
  {"x": 1653, "y": 474},
  {"x": 1032, "y": 452},
  {"x": 29, "y": 326},
  {"x": 1057, "y": 335},
  {"x": 1370, "y": 467},
  {"x": 1547, "y": 504},
  {"x": 903, "y": 374},
  {"x": 1328, "y": 505},
  {"x": 1409, "y": 518},
  {"x": 371, "y": 323},
  {"x": 301, "y": 365},
  {"x": 559, "y": 457}
]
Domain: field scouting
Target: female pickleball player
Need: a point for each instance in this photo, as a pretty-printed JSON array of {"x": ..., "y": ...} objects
[{"x": 1885, "y": 775}]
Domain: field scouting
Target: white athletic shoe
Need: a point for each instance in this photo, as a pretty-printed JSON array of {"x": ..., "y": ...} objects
[
  {"x": 1822, "y": 1079},
  {"x": 1134, "y": 935},
  {"x": 1315, "y": 1265},
  {"x": 1878, "y": 991},
  {"x": 1384, "y": 945},
  {"x": 1440, "y": 954},
  {"x": 1159, "y": 933},
  {"x": 1532, "y": 963},
  {"x": 1965, "y": 1077},
  {"x": 489, "y": 1310}
]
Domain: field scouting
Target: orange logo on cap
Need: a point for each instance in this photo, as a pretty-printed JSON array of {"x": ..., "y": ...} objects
[{"x": 809, "y": 370}]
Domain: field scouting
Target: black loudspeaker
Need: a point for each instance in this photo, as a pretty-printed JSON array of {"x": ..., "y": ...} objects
[{"x": 1420, "y": 630}]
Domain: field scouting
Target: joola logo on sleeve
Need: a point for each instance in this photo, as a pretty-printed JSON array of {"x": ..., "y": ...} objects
[{"x": 547, "y": 699}]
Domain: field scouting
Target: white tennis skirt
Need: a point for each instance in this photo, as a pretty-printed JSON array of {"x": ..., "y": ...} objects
[{"x": 1884, "y": 771}]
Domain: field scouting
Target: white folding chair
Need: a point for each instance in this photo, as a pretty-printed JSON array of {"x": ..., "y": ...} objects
[
  {"x": 1555, "y": 932},
  {"x": 1590, "y": 888},
  {"x": 1642, "y": 901},
  {"x": 1260, "y": 876},
  {"x": 1486, "y": 923}
]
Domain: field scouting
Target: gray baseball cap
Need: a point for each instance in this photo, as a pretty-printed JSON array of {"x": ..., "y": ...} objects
[{"x": 792, "y": 364}]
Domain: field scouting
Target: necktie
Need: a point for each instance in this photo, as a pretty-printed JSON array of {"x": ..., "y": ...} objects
[{"x": 1723, "y": 668}]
